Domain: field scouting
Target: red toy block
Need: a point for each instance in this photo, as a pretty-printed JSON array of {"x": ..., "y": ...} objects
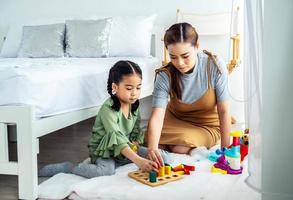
[
  {"x": 189, "y": 167},
  {"x": 186, "y": 172},
  {"x": 243, "y": 151}
]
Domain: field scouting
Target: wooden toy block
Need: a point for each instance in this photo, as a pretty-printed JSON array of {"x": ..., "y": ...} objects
[
  {"x": 143, "y": 177},
  {"x": 161, "y": 172},
  {"x": 178, "y": 168},
  {"x": 186, "y": 172},
  {"x": 189, "y": 167},
  {"x": 180, "y": 172},
  {"x": 168, "y": 170},
  {"x": 152, "y": 176},
  {"x": 218, "y": 170}
]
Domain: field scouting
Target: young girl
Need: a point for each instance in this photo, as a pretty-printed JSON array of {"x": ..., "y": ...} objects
[{"x": 116, "y": 130}]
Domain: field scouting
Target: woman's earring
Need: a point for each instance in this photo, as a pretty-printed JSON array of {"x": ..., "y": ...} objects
[{"x": 113, "y": 92}]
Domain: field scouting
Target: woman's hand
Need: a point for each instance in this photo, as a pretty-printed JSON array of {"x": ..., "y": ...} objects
[
  {"x": 155, "y": 155},
  {"x": 146, "y": 165},
  {"x": 154, "y": 133}
]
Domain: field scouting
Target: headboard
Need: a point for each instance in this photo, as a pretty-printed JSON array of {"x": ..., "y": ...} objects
[
  {"x": 3, "y": 33},
  {"x": 156, "y": 41}
]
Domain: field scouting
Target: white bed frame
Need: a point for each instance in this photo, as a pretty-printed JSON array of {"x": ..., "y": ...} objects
[{"x": 29, "y": 129}]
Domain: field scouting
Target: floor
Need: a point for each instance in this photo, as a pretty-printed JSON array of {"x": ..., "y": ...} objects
[{"x": 69, "y": 143}]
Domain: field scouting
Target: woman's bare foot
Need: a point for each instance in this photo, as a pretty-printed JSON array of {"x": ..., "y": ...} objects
[
  {"x": 163, "y": 146},
  {"x": 180, "y": 149}
]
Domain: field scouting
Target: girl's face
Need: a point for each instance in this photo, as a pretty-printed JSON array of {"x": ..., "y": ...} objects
[
  {"x": 128, "y": 90},
  {"x": 183, "y": 55}
]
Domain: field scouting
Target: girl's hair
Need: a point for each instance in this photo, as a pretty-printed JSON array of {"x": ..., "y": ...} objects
[
  {"x": 180, "y": 32},
  {"x": 117, "y": 72}
]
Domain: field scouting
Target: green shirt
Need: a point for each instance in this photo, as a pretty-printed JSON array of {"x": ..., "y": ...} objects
[{"x": 112, "y": 132}]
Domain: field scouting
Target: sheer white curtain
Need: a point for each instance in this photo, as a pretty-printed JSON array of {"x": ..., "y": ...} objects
[{"x": 253, "y": 43}]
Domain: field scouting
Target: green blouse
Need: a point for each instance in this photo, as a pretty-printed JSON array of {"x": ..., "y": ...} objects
[{"x": 112, "y": 132}]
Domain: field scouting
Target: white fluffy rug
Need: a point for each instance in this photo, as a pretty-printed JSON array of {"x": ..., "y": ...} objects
[{"x": 201, "y": 184}]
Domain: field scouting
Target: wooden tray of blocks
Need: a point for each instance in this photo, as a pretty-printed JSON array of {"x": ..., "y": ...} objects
[{"x": 143, "y": 177}]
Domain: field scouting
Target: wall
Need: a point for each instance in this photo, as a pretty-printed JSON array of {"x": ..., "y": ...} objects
[
  {"x": 277, "y": 176},
  {"x": 14, "y": 13}
]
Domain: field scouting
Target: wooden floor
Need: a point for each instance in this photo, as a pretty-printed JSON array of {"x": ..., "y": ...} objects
[{"x": 69, "y": 143}]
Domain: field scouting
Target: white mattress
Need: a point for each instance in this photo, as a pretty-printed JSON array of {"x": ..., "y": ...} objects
[
  {"x": 201, "y": 184},
  {"x": 56, "y": 86}
]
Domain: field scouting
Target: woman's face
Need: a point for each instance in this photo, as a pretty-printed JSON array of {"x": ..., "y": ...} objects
[{"x": 182, "y": 55}]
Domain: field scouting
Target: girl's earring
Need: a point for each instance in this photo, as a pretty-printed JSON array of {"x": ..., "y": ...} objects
[{"x": 113, "y": 92}]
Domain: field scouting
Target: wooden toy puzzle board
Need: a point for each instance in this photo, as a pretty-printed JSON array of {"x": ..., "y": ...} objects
[{"x": 143, "y": 177}]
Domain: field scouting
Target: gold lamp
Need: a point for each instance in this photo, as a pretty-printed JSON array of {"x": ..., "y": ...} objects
[
  {"x": 235, "y": 46},
  {"x": 235, "y": 53}
]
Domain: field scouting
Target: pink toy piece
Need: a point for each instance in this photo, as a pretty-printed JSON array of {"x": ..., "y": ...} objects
[
  {"x": 222, "y": 163},
  {"x": 236, "y": 141}
]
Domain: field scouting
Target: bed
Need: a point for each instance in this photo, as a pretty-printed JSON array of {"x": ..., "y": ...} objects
[{"x": 75, "y": 83}]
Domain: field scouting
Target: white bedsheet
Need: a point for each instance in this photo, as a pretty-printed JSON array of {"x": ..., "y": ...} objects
[
  {"x": 201, "y": 184},
  {"x": 56, "y": 86}
]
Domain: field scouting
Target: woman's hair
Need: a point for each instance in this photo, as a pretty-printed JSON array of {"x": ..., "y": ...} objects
[
  {"x": 180, "y": 32},
  {"x": 117, "y": 72}
]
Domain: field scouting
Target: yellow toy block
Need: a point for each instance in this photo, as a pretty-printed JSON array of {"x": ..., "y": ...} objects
[
  {"x": 167, "y": 170},
  {"x": 134, "y": 147},
  {"x": 236, "y": 134},
  {"x": 180, "y": 172},
  {"x": 218, "y": 170}
]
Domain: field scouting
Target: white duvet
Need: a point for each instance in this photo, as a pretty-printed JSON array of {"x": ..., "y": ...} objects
[
  {"x": 59, "y": 85},
  {"x": 201, "y": 184}
]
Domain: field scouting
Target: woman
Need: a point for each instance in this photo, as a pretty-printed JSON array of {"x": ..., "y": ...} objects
[{"x": 197, "y": 112}]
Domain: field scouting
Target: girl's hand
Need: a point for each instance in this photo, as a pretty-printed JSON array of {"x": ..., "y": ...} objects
[
  {"x": 146, "y": 165},
  {"x": 135, "y": 143},
  {"x": 155, "y": 155}
]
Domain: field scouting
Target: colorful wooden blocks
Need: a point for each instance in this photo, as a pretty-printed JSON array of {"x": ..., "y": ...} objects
[
  {"x": 165, "y": 174},
  {"x": 153, "y": 181}
]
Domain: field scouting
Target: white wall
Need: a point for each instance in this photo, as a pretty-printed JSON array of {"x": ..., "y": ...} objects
[
  {"x": 277, "y": 130},
  {"x": 15, "y": 12}
]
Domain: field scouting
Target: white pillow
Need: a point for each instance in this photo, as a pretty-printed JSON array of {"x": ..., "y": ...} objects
[
  {"x": 13, "y": 39},
  {"x": 42, "y": 41},
  {"x": 12, "y": 42},
  {"x": 131, "y": 36},
  {"x": 88, "y": 38}
]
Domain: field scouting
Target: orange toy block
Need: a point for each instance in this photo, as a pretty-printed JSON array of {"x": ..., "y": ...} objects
[
  {"x": 178, "y": 168},
  {"x": 161, "y": 172}
]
